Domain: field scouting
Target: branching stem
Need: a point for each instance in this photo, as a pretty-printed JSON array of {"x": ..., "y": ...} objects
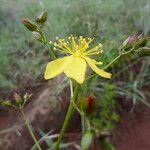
[
  {"x": 30, "y": 130},
  {"x": 68, "y": 116}
]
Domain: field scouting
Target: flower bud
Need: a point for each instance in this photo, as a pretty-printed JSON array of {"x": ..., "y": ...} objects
[
  {"x": 41, "y": 18},
  {"x": 6, "y": 103},
  {"x": 129, "y": 41},
  {"x": 17, "y": 98},
  {"x": 29, "y": 25},
  {"x": 27, "y": 96},
  {"x": 141, "y": 42},
  {"x": 140, "y": 35},
  {"x": 143, "y": 52},
  {"x": 88, "y": 104},
  {"x": 132, "y": 39}
]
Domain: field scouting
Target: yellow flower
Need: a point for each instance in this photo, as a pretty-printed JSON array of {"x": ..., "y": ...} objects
[{"x": 74, "y": 64}]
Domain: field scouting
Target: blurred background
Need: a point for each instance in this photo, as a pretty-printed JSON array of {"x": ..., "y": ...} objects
[
  {"x": 22, "y": 59},
  {"x": 110, "y": 22}
]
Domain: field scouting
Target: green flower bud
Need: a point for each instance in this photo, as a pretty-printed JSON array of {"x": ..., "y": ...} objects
[
  {"x": 143, "y": 52},
  {"x": 141, "y": 43},
  {"x": 125, "y": 42},
  {"x": 17, "y": 98},
  {"x": 27, "y": 96},
  {"x": 42, "y": 18},
  {"x": 6, "y": 103},
  {"x": 29, "y": 25}
]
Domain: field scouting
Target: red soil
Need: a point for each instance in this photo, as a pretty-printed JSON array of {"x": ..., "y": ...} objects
[{"x": 133, "y": 130}]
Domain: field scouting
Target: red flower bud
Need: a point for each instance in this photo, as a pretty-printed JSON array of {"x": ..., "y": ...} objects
[
  {"x": 131, "y": 39},
  {"x": 89, "y": 103}
]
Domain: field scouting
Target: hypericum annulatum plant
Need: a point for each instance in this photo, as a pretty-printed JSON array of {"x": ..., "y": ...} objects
[{"x": 78, "y": 56}]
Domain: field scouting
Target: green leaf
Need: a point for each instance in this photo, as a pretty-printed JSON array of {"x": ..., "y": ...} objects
[
  {"x": 49, "y": 142},
  {"x": 106, "y": 145},
  {"x": 86, "y": 140}
]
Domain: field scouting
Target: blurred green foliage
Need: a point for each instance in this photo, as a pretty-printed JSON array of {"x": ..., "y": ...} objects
[
  {"x": 22, "y": 59},
  {"x": 105, "y": 118}
]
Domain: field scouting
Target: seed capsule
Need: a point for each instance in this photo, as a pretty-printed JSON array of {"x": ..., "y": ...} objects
[
  {"x": 29, "y": 25},
  {"x": 42, "y": 18}
]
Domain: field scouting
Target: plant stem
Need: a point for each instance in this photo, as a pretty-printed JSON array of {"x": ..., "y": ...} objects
[
  {"x": 68, "y": 116},
  {"x": 30, "y": 130},
  {"x": 112, "y": 62},
  {"x": 45, "y": 42},
  {"x": 50, "y": 51}
]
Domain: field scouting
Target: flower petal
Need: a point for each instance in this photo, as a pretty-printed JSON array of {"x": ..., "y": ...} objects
[
  {"x": 76, "y": 69},
  {"x": 56, "y": 67},
  {"x": 96, "y": 69}
]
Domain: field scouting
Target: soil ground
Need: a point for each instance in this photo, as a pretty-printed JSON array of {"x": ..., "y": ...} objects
[{"x": 132, "y": 131}]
